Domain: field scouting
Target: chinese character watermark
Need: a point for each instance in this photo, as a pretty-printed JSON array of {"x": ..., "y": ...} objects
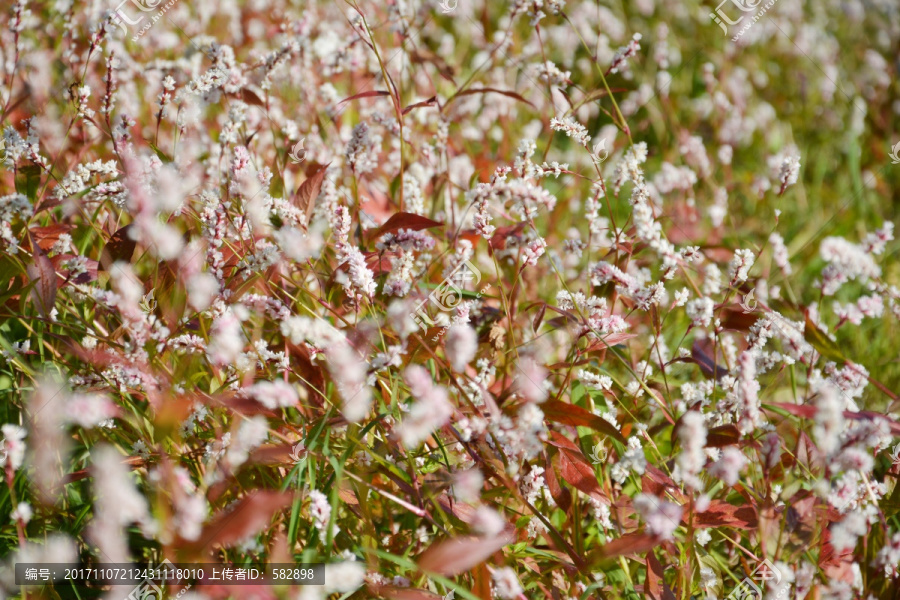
[
  {"x": 598, "y": 454},
  {"x": 745, "y": 6},
  {"x": 895, "y": 154},
  {"x": 748, "y": 303},
  {"x": 120, "y": 17},
  {"x": 448, "y": 6},
  {"x": 751, "y": 587},
  {"x": 448, "y": 295},
  {"x": 298, "y": 152}
]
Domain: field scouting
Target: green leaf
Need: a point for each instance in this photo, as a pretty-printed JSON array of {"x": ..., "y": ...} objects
[
  {"x": 29, "y": 182},
  {"x": 823, "y": 344},
  {"x": 162, "y": 155}
]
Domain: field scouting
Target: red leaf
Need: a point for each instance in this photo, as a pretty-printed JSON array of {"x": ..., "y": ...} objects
[
  {"x": 250, "y": 516},
  {"x": 724, "y": 435},
  {"x": 539, "y": 317},
  {"x": 655, "y": 586},
  {"x": 251, "y": 97},
  {"x": 42, "y": 273},
  {"x": 808, "y": 411},
  {"x": 632, "y": 543},
  {"x": 577, "y": 471},
  {"x": 560, "y": 495},
  {"x": 482, "y": 587},
  {"x": 223, "y": 591},
  {"x": 570, "y": 414},
  {"x": 574, "y": 467},
  {"x": 488, "y": 90},
  {"x": 398, "y": 593},
  {"x": 305, "y": 196},
  {"x": 119, "y": 247},
  {"x": 498, "y": 240},
  {"x": 721, "y": 513},
  {"x": 707, "y": 364},
  {"x": 458, "y": 555},
  {"x": 609, "y": 340},
  {"x": 405, "y": 220},
  {"x": 47, "y": 236},
  {"x": 428, "y": 102},
  {"x": 368, "y": 94}
]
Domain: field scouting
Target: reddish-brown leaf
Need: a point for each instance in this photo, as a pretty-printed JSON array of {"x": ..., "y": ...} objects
[
  {"x": 724, "y": 435},
  {"x": 89, "y": 275},
  {"x": 428, "y": 102},
  {"x": 808, "y": 411},
  {"x": 246, "y": 591},
  {"x": 707, "y": 364},
  {"x": 609, "y": 340},
  {"x": 570, "y": 414},
  {"x": 577, "y": 471},
  {"x": 398, "y": 593},
  {"x": 498, "y": 240},
  {"x": 369, "y": 94},
  {"x": 251, "y": 97},
  {"x": 482, "y": 587},
  {"x": 632, "y": 543},
  {"x": 49, "y": 235},
  {"x": 488, "y": 90},
  {"x": 574, "y": 468},
  {"x": 655, "y": 585},
  {"x": 42, "y": 273},
  {"x": 560, "y": 495},
  {"x": 405, "y": 220},
  {"x": 539, "y": 317},
  {"x": 738, "y": 320},
  {"x": 458, "y": 555},
  {"x": 119, "y": 247},
  {"x": 305, "y": 196},
  {"x": 721, "y": 513},
  {"x": 250, "y": 516}
]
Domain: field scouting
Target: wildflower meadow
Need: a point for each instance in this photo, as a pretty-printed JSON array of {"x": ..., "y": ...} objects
[{"x": 449, "y": 299}]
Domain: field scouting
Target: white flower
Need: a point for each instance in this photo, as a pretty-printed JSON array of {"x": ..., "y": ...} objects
[
  {"x": 506, "y": 585},
  {"x": 700, "y": 311},
  {"x": 431, "y": 410},
  {"x": 729, "y": 467},
  {"x": 344, "y": 577},
  {"x": 461, "y": 344},
  {"x": 692, "y": 436},
  {"x": 662, "y": 517},
  {"x": 571, "y": 128},
  {"x": 350, "y": 375},
  {"x": 274, "y": 394},
  {"x": 22, "y": 513}
]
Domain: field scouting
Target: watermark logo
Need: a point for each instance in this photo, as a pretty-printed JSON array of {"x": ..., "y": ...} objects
[
  {"x": 450, "y": 595},
  {"x": 745, "y": 6},
  {"x": 895, "y": 455},
  {"x": 751, "y": 587},
  {"x": 121, "y": 18},
  {"x": 148, "y": 590},
  {"x": 148, "y": 303},
  {"x": 298, "y": 452},
  {"x": 721, "y": 18},
  {"x": 748, "y": 303},
  {"x": 599, "y": 153},
  {"x": 598, "y": 454},
  {"x": 298, "y": 152},
  {"x": 449, "y": 293},
  {"x": 4, "y": 453},
  {"x": 448, "y": 6},
  {"x": 895, "y": 154}
]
